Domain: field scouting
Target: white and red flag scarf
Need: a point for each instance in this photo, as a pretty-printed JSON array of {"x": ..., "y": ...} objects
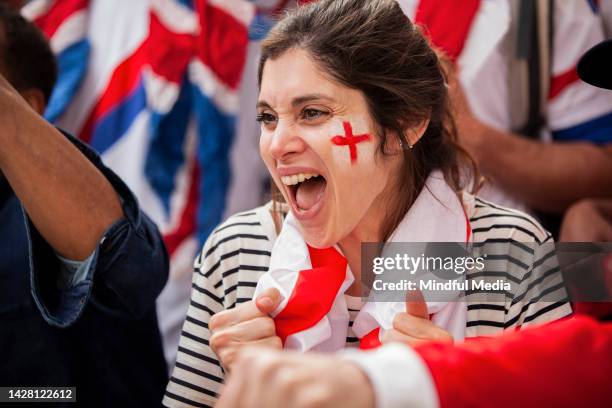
[{"x": 313, "y": 314}]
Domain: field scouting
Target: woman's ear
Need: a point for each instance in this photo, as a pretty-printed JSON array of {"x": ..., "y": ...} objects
[{"x": 415, "y": 133}]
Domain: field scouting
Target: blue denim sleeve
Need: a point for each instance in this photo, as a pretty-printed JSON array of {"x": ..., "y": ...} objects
[
  {"x": 72, "y": 272},
  {"x": 126, "y": 272}
]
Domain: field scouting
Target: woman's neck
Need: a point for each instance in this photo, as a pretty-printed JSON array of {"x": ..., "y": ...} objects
[
  {"x": 368, "y": 230},
  {"x": 352, "y": 251}
]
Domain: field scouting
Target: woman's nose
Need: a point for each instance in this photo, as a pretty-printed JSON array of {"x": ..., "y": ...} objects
[{"x": 286, "y": 142}]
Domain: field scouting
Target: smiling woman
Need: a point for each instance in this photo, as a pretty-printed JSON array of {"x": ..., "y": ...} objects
[
  {"x": 308, "y": 120},
  {"x": 357, "y": 68},
  {"x": 358, "y": 137}
]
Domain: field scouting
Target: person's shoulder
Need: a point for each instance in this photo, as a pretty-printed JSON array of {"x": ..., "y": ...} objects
[
  {"x": 246, "y": 224},
  {"x": 248, "y": 231},
  {"x": 490, "y": 221}
]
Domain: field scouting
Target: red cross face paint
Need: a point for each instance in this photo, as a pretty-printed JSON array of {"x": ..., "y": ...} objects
[
  {"x": 319, "y": 145},
  {"x": 350, "y": 140}
]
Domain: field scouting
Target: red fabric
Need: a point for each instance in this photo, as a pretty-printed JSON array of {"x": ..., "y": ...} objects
[
  {"x": 313, "y": 294},
  {"x": 599, "y": 310},
  {"x": 57, "y": 14},
  {"x": 316, "y": 289},
  {"x": 565, "y": 363},
  {"x": 230, "y": 38},
  {"x": 165, "y": 52},
  {"x": 559, "y": 82},
  {"x": 447, "y": 23},
  {"x": 370, "y": 340},
  {"x": 468, "y": 227},
  {"x": 187, "y": 220}
]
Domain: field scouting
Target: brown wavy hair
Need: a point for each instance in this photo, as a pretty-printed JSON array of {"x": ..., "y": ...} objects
[{"x": 371, "y": 46}]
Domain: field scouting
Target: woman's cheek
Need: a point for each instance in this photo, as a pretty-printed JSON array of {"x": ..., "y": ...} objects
[
  {"x": 356, "y": 170},
  {"x": 264, "y": 144},
  {"x": 264, "y": 151}
]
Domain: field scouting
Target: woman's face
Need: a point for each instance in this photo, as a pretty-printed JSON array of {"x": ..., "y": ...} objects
[{"x": 320, "y": 146}]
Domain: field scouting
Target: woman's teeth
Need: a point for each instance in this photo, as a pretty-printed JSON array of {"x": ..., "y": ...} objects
[{"x": 297, "y": 178}]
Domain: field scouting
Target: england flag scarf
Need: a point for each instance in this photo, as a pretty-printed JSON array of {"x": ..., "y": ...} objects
[{"x": 313, "y": 314}]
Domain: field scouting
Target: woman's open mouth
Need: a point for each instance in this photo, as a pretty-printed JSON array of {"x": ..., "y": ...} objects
[{"x": 306, "y": 192}]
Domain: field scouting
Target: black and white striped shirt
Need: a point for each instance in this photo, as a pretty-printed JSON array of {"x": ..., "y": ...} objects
[{"x": 238, "y": 252}]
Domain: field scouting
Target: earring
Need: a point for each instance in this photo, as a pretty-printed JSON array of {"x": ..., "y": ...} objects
[{"x": 403, "y": 146}]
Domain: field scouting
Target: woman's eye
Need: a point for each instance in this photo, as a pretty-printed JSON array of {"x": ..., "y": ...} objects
[
  {"x": 266, "y": 118},
  {"x": 313, "y": 114}
]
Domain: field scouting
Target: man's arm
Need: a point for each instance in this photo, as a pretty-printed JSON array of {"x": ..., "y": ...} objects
[
  {"x": 561, "y": 364},
  {"x": 547, "y": 176},
  {"x": 68, "y": 200},
  {"x": 565, "y": 363},
  {"x": 72, "y": 208},
  {"x": 124, "y": 275}
]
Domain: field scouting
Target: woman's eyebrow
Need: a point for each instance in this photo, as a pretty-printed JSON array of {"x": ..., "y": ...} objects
[
  {"x": 300, "y": 100},
  {"x": 263, "y": 104}
]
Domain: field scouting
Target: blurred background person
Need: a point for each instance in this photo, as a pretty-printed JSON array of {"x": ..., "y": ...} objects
[
  {"x": 590, "y": 219},
  {"x": 536, "y": 131},
  {"x": 157, "y": 88},
  {"x": 80, "y": 264}
]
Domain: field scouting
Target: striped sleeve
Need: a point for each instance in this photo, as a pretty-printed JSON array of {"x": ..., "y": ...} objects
[
  {"x": 520, "y": 252},
  {"x": 197, "y": 374},
  {"x": 541, "y": 296},
  {"x": 225, "y": 273}
]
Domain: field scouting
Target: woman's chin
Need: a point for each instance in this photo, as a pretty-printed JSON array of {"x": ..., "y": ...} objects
[{"x": 318, "y": 238}]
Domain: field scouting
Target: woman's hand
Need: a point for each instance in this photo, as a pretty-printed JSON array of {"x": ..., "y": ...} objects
[
  {"x": 272, "y": 379},
  {"x": 246, "y": 324},
  {"x": 414, "y": 326}
]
